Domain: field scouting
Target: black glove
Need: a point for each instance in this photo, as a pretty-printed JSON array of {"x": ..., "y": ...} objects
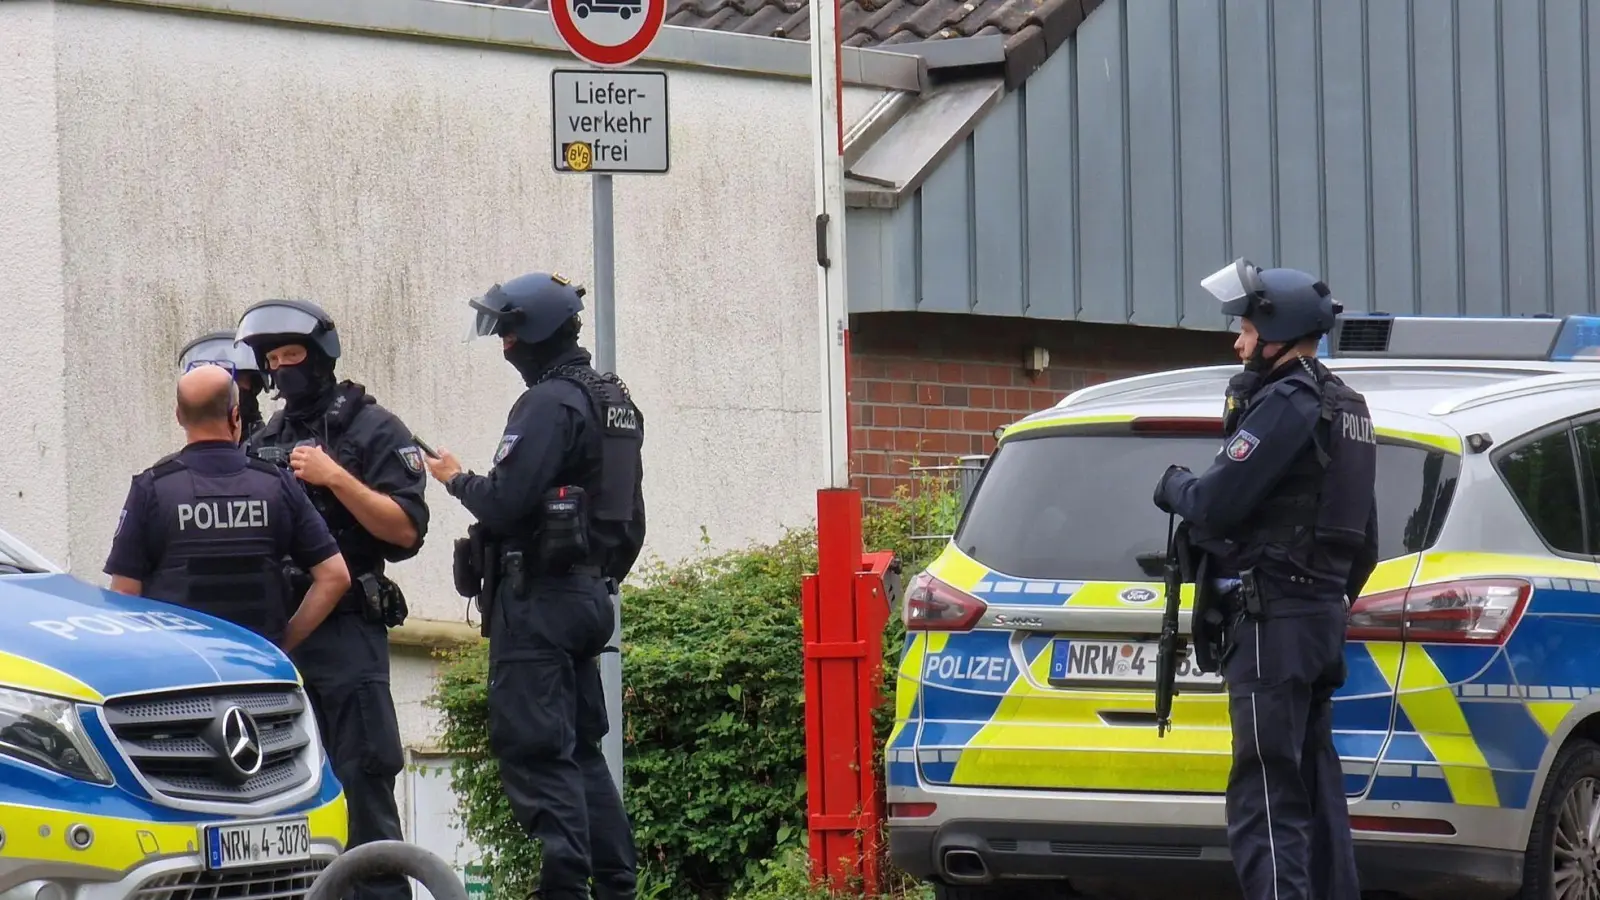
[
  {"x": 1161, "y": 488},
  {"x": 1241, "y": 388}
]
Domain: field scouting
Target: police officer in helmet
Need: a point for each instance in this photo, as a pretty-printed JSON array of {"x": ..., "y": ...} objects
[
  {"x": 1288, "y": 513},
  {"x": 206, "y": 527},
  {"x": 363, "y": 471},
  {"x": 560, "y": 521},
  {"x": 218, "y": 346}
]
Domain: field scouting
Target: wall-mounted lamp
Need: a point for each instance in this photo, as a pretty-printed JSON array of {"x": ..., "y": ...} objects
[{"x": 1035, "y": 360}]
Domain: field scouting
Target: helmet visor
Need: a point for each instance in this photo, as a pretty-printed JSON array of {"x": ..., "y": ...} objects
[
  {"x": 491, "y": 315},
  {"x": 218, "y": 350},
  {"x": 1235, "y": 286},
  {"x": 276, "y": 320}
]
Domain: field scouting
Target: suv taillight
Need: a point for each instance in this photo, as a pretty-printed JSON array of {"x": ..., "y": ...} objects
[
  {"x": 932, "y": 605},
  {"x": 1469, "y": 611}
]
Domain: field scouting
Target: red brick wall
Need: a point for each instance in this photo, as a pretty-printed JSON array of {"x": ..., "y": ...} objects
[{"x": 928, "y": 387}]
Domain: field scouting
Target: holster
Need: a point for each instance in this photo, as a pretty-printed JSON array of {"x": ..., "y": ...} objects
[
  {"x": 489, "y": 565},
  {"x": 369, "y": 597},
  {"x": 1208, "y": 620},
  {"x": 1250, "y": 593}
]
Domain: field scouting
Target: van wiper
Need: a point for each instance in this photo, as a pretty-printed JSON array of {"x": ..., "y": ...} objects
[{"x": 1152, "y": 564}]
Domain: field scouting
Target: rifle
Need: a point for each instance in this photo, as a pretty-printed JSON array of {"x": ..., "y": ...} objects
[{"x": 1172, "y": 644}]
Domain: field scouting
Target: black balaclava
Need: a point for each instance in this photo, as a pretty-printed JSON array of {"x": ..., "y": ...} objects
[
  {"x": 249, "y": 405},
  {"x": 533, "y": 360},
  {"x": 306, "y": 384}
]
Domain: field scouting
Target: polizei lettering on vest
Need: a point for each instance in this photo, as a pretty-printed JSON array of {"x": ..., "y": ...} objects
[
  {"x": 212, "y": 514},
  {"x": 622, "y": 417},
  {"x": 1357, "y": 428}
]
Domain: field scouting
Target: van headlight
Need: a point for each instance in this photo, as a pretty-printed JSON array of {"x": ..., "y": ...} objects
[{"x": 47, "y": 732}]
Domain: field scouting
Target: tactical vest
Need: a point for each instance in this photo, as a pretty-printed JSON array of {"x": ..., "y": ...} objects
[
  {"x": 359, "y": 548},
  {"x": 615, "y": 486},
  {"x": 220, "y": 556},
  {"x": 1306, "y": 533}
]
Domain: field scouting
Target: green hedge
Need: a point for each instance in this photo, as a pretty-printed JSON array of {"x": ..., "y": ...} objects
[{"x": 713, "y": 698}]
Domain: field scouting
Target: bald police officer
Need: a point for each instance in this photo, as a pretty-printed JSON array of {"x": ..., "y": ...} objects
[
  {"x": 561, "y": 518},
  {"x": 364, "y": 473},
  {"x": 1288, "y": 510},
  {"x": 218, "y": 347},
  {"x": 205, "y": 528}
]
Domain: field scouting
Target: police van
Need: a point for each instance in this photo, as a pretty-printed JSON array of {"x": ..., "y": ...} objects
[
  {"x": 1025, "y": 749},
  {"x": 149, "y": 751}
]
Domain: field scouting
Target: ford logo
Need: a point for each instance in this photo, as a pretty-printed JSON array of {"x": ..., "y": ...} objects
[{"x": 1137, "y": 595}]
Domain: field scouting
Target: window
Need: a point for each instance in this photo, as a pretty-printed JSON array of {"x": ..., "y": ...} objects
[
  {"x": 1587, "y": 436},
  {"x": 1543, "y": 475},
  {"x": 1079, "y": 506}
]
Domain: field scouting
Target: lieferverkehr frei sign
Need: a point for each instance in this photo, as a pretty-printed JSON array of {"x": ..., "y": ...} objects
[{"x": 608, "y": 122}]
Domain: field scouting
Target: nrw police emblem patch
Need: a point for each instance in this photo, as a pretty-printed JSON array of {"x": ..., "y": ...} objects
[
  {"x": 412, "y": 457},
  {"x": 121, "y": 517},
  {"x": 504, "y": 450},
  {"x": 1243, "y": 444}
]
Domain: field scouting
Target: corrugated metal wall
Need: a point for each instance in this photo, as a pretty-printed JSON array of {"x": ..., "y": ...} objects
[{"x": 1422, "y": 155}]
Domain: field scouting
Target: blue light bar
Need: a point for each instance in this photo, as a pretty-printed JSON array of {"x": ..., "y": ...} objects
[
  {"x": 1542, "y": 337},
  {"x": 1579, "y": 339}
]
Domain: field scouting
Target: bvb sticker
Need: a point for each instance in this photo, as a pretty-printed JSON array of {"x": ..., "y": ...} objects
[{"x": 579, "y": 156}]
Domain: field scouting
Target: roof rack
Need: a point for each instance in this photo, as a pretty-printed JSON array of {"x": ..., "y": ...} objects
[
  {"x": 1510, "y": 390},
  {"x": 1541, "y": 337}
]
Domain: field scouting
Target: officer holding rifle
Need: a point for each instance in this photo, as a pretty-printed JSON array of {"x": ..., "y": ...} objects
[{"x": 1282, "y": 532}]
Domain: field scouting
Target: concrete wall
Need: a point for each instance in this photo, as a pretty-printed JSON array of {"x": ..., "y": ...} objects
[{"x": 161, "y": 171}]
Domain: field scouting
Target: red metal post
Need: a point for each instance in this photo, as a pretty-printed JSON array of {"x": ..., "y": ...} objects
[{"x": 837, "y": 650}]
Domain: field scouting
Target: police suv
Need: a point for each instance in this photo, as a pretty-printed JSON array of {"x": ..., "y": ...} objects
[
  {"x": 149, "y": 751},
  {"x": 1025, "y": 746}
]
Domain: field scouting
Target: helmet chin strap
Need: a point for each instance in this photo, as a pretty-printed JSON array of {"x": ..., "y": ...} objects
[{"x": 1260, "y": 362}]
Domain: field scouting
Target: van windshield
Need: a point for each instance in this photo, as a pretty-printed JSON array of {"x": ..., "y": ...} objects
[{"x": 1079, "y": 507}]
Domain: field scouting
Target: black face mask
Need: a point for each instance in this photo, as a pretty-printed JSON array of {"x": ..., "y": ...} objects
[
  {"x": 300, "y": 385},
  {"x": 249, "y": 407},
  {"x": 532, "y": 360}
]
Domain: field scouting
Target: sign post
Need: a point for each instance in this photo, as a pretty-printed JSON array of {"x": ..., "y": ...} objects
[{"x": 605, "y": 121}]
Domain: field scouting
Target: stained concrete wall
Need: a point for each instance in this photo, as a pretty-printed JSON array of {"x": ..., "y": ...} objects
[{"x": 161, "y": 171}]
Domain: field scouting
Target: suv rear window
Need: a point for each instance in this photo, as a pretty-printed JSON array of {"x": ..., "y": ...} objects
[{"x": 1079, "y": 507}]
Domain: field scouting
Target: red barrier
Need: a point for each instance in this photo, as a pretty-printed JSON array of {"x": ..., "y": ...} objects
[{"x": 845, "y": 610}]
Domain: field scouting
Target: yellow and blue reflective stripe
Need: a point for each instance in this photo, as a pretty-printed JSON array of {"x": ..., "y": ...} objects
[{"x": 1470, "y": 724}]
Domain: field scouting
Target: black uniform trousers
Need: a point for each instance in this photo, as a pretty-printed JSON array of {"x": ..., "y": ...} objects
[
  {"x": 1288, "y": 819},
  {"x": 547, "y": 715},
  {"x": 345, "y": 664}
]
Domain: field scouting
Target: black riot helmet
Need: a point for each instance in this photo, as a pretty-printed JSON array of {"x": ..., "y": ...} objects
[
  {"x": 1284, "y": 305},
  {"x": 273, "y": 323},
  {"x": 218, "y": 346},
  {"x": 530, "y": 307}
]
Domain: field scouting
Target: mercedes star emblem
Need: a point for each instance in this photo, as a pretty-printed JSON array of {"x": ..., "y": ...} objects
[{"x": 241, "y": 741}]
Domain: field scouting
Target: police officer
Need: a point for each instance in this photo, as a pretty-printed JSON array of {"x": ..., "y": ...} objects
[
  {"x": 561, "y": 518},
  {"x": 205, "y": 527},
  {"x": 218, "y": 346},
  {"x": 363, "y": 470},
  {"x": 1289, "y": 508}
]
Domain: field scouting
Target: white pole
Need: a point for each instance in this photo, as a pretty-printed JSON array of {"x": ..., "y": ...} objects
[
  {"x": 828, "y": 128},
  {"x": 605, "y": 358}
]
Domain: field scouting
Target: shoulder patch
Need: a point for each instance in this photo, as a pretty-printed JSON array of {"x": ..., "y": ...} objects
[
  {"x": 412, "y": 457},
  {"x": 121, "y": 517},
  {"x": 1243, "y": 444},
  {"x": 504, "y": 450}
]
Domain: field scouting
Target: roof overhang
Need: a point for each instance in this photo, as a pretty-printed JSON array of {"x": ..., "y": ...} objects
[
  {"x": 900, "y": 142},
  {"x": 513, "y": 28}
]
